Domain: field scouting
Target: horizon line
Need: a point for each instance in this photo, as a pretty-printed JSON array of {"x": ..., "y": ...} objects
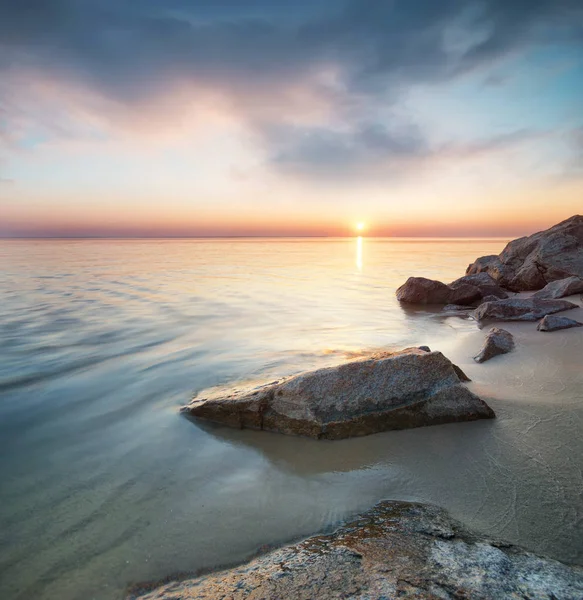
[{"x": 211, "y": 237}]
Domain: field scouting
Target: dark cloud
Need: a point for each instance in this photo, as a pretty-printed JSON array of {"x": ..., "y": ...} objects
[
  {"x": 128, "y": 46},
  {"x": 132, "y": 50},
  {"x": 324, "y": 151}
]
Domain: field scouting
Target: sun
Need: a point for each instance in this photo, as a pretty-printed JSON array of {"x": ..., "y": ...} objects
[{"x": 360, "y": 226}]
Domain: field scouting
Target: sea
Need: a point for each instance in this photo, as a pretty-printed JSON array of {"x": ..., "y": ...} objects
[{"x": 104, "y": 484}]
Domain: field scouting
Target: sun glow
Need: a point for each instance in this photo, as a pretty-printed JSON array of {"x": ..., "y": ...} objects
[{"x": 360, "y": 227}]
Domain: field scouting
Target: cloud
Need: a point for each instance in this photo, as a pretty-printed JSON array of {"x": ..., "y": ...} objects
[{"x": 312, "y": 82}]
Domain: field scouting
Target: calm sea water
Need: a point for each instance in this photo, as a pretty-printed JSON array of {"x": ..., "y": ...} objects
[{"x": 104, "y": 484}]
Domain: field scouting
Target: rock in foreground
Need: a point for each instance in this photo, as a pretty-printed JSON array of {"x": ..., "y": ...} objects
[
  {"x": 520, "y": 309},
  {"x": 498, "y": 341},
  {"x": 529, "y": 263},
  {"x": 554, "y": 323},
  {"x": 412, "y": 388},
  {"x": 396, "y": 550},
  {"x": 561, "y": 288}
]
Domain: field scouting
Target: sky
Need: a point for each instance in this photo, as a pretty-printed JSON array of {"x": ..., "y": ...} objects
[{"x": 268, "y": 117}]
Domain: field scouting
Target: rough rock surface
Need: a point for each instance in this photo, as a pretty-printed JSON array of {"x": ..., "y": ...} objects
[
  {"x": 489, "y": 299},
  {"x": 465, "y": 290},
  {"x": 457, "y": 308},
  {"x": 398, "y": 390},
  {"x": 498, "y": 341},
  {"x": 554, "y": 323},
  {"x": 561, "y": 288},
  {"x": 419, "y": 290},
  {"x": 520, "y": 309},
  {"x": 484, "y": 282},
  {"x": 396, "y": 550},
  {"x": 529, "y": 263}
]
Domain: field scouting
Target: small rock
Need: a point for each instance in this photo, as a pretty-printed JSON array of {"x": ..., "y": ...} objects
[
  {"x": 425, "y": 348},
  {"x": 498, "y": 341},
  {"x": 554, "y": 323},
  {"x": 520, "y": 309},
  {"x": 561, "y": 288}
]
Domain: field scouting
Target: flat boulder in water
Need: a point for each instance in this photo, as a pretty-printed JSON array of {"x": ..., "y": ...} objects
[
  {"x": 395, "y": 550},
  {"x": 561, "y": 288},
  {"x": 498, "y": 341},
  {"x": 520, "y": 309},
  {"x": 411, "y": 388},
  {"x": 555, "y": 323},
  {"x": 529, "y": 263}
]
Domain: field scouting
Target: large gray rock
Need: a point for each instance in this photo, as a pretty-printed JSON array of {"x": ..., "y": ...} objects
[
  {"x": 554, "y": 323},
  {"x": 529, "y": 263},
  {"x": 405, "y": 389},
  {"x": 561, "y": 288},
  {"x": 498, "y": 341},
  {"x": 484, "y": 282},
  {"x": 419, "y": 290},
  {"x": 520, "y": 309},
  {"x": 395, "y": 550}
]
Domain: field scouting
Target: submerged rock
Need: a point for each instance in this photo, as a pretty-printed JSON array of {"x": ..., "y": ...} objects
[
  {"x": 412, "y": 388},
  {"x": 554, "y": 323},
  {"x": 529, "y": 263},
  {"x": 498, "y": 341},
  {"x": 395, "y": 550},
  {"x": 419, "y": 290},
  {"x": 561, "y": 288},
  {"x": 520, "y": 309}
]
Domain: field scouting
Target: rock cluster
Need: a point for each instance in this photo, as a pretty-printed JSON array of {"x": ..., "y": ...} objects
[
  {"x": 463, "y": 291},
  {"x": 395, "y": 550},
  {"x": 549, "y": 261},
  {"x": 412, "y": 388},
  {"x": 530, "y": 263}
]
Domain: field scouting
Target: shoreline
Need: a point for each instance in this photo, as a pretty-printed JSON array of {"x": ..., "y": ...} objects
[{"x": 532, "y": 347}]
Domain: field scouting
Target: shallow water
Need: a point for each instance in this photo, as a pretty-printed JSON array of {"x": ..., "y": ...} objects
[{"x": 104, "y": 484}]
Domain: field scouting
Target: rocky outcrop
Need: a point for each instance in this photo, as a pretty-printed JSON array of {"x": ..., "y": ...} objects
[
  {"x": 483, "y": 282},
  {"x": 498, "y": 341},
  {"x": 462, "y": 291},
  {"x": 529, "y": 263},
  {"x": 388, "y": 391},
  {"x": 554, "y": 323},
  {"x": 561, "y": 288},
  {"x": 395, "y": 550},
  {"x": 419, "y": 290},
  {"x": 520, "y": 309}
]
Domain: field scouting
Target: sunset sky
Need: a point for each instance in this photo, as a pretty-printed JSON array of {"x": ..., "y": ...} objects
[{"x": 265, "y": 117}]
